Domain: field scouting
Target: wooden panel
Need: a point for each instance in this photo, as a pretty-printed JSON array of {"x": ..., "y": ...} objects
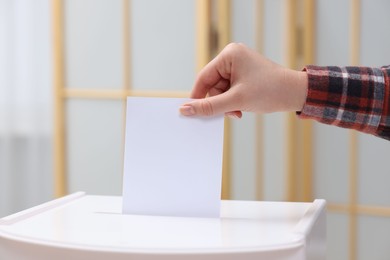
[{"x": 59, "y": 113}]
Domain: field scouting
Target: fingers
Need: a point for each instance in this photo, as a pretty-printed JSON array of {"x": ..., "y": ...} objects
[
  {"x": 215, "y": 80},
  {"x": 214, "y": 105},
  {"x": 216, "y": 74}
]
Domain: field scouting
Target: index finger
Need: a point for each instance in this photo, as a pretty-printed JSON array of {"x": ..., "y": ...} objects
[{"x": 216, "y": 71}]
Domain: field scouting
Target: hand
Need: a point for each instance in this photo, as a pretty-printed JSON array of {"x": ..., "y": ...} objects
[{"x": 239, "y": 79}]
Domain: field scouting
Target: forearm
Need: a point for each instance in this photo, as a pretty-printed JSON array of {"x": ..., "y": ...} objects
[{"x": 349, "y": 97}]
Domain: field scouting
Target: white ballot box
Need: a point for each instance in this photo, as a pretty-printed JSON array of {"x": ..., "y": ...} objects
[{"x": 80, "y": 226}]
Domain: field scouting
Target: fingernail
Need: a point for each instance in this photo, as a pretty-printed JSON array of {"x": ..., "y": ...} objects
[{"x": 187, "y": 110}]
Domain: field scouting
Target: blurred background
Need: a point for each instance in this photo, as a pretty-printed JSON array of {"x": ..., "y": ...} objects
[{"x": 67, "y": 66}]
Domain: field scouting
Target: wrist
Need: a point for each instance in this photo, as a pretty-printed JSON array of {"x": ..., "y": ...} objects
[
  {"x": 296, "y": 91},
  {"x": 302, "y": 87}
]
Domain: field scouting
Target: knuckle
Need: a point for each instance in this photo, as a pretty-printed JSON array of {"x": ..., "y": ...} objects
[
  {"x": 235, "y": 47},
  {"x": 206, "y": 108},
  {"x": 235, "y": 50}
]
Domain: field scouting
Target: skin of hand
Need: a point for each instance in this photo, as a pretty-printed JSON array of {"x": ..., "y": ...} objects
[{"x": 240, "y": 79}]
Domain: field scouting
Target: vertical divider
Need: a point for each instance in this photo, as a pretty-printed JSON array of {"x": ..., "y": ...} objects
[
  {"x": 224, "y": 35},
  {"x": 307, "y": 126},
  {"x": 290, "y": 121},
  {"x": 259, "y": 38},
  {"x": 299, "y": 135},
  {"x": 354, "y": 38},
  {"x": 126, "y": 64},
  {"x": 203, "y": 53},
  {"x": 203, "y": 33},
  {"x": 126, "y": 46},
  {"x": 60, "y": 182}
]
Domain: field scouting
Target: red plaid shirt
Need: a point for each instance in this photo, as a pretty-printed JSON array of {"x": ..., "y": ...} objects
[{"x": 350, "y": 97}]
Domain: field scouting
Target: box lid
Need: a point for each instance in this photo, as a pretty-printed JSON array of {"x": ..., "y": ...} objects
[{"x": 97, "y": 223}]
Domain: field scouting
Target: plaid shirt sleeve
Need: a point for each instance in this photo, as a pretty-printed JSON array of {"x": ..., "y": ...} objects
[{"x": 351, "y": 97}]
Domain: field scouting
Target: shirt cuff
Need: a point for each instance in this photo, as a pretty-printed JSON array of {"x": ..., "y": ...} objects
[
  {"x": 384, "y": 125},
  {"x": 349, "y": 97}
]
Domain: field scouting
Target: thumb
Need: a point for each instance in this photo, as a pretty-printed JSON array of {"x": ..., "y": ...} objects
[{"x": 209, "y": 106}]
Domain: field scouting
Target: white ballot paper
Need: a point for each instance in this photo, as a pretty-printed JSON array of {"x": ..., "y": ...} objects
[{"x": 173, "y": 163}]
